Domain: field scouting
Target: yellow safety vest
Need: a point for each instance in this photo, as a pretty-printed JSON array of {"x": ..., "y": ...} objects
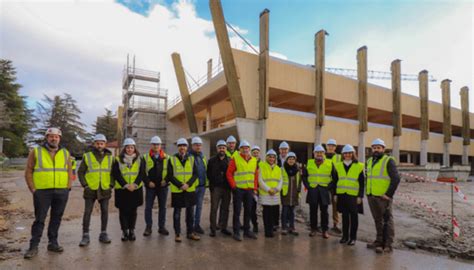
[
  {"x": 149, "y": 164},
  {"x": 244, "y": 176},
  {"x": 50, "y": 173},
  {"x": 231, "y": 155},
  {"x": 271, "y": 176},
  {"x": 129, "y": 174},
  {"x": 286, "y": 181},
  {"x": 378, "y": 180},
  {"x": 183, "y": 173},
  {"x": 348, "y": 182},
  {"x": 336, "y": 158},
  {"x": 98, "y": 173},
  {"x": 319, "y": 176}
]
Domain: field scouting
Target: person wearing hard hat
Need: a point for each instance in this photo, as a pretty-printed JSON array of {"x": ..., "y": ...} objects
[
  {"x": 269, "y": 187},
  {"x": 382, "y": 182},
  {"x": 156, "y": 186},
  {"x": 242, "y": 175},
  {"x": 128, "y": 172},
  {"x": 94, "y": 176},
  {"x": 283, "y": 150},
  {"x": 318, "y": 178},
  {"x": 48, "y": 177},
  {"x": 231, "y": 145},
  {"x": 220, "y": 189},
  {"x": 183, "y": 176},
  {"x": 255, "y": 151},
  {"x": 290, "y": 194},
  {"x": 331, "y": 146},
  {"x": 350, "y": 191},
  {"x": 200, "y": 161}
]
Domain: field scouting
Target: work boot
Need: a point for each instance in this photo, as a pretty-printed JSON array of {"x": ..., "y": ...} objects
[
  {"x": 325, "y": 235},
  {"x": 199, "y": 230},
  {"x": 147, "y": 231},
  {"x": 131, "y": 235},
  {"x": 55, "y": 248},
  {"x": 284, "y": 232},
  {"x": 388, "y": 249},
  {"x": 163, "y": 231},
  {"x": 379, "y": 250},
  {"x": 177, "y": 238},
  {"x": 293, "y": 232},
  {"x": 343, "y": 240},
  {"x": 250, "y": 235},
  {"x": 104, "y": 238},
  {"x": 124, "y": 235},
  {"x": 30, "y": 253},
  {"x": 336, "y": 230},
  {"x": 226, "y": 232},
  {"x": 351, "y": 242},
  {"x": 312, "y": 233},
  {"x": 237, "y": 237},
  {"x": 193, "y": 236},
  {"x": 373, "y": 245},
  {"x": 85, "y": 240},
  {"x": 213, "y": 233}
]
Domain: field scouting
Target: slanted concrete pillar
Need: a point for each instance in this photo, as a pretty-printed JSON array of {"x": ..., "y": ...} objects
[
  {"x": 263, "y": 65},
  {"x": 424, "y": 116},
  {"x": 397, "y": 108},
  {"x": 447, "y": 131},
  {"x": 208, "y": 118},
  {"x": 466, "y": 129},
  {"x": 209, "y": 69},
  {"x": 320, "y": 65},
  {"x": 362, "y": 110}
]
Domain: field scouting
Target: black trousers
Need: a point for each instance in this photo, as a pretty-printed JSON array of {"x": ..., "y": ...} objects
[
  {"x": 242, "y": 197},
  {"x": 220, "y": 200},
  {"x": 270, "y": 213},
  {"x": 104, "y": 214},
  {"x": 350, "y": 220},
  {"x": 253, "y": 214},
  {"x": 189, "y": 220},
  {"x": 313, "y": 213},
  {"x": 43, "y": 199},
  {"x": 128, "y": 218}
]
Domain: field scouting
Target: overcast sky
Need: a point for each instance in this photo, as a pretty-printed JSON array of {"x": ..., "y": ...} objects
[{"x": 81, "y": 47}]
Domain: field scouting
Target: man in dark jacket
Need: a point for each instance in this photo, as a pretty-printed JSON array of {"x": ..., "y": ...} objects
[
  {"x": 220, "y": 189},
  {"x": 94, "y": 176}
]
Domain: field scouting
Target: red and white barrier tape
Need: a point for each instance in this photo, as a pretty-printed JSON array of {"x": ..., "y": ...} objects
[{"x": 457, "y": 189}]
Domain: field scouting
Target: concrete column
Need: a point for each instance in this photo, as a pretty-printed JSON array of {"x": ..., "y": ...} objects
[
  {"x": 209, "y": 69},
  {"x": 361, "y": 148},
  {"x": 362, "y": 110},
  {"x": 206, "y": 147},
  {"x": 263, "y": 65},
  {"x": 254, "y": 131},
  {"x": 447, "y": 131},
  {"x": 424, "y": 116},
  {"x": 320, "y": 66},
  {"x": 208, "y": 118},
  {"x": 466, "y": 129},
  {"x": 397, "y": 108},
  {"x": 424, "y": 152},
  {"x": 408, "y": 157}
]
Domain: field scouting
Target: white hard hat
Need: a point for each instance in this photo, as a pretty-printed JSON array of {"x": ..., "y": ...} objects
[
  {"x": 182, "y": 141},
  {"x": 255, "y": 147},
  {"x": 347, "y": 149},
  {"x": 53, "y": 131},
  {"x": 231, "y": 139},
  {"x": 319, "y": 148},
  {"x": 244, "y": 143},
  {"x": 155, "y": 140},
  {"x": 128, "y": 141},
  {"x": 291, "y": 154},
  {"x": 284, "y": 144},
  {"x": 196, "y": 140},
  {"x": 100, "y": 137},
  {"x": 271, "y": 152},
  {"x": 378, "y": 142},
  {"x": 331, "y": 142},
  {"x": 221, "y": 143}
]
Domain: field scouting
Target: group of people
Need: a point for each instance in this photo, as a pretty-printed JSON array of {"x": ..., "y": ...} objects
[{"x": 234, "y": 173}]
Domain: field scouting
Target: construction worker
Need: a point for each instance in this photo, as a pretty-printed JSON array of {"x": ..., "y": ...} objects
[
  {"x": 318, "y": 179},
  {"x": 382, "y": 182},
  {"x": 231, "y": 144},
  {"x": 269, "y": 187},
  {"x": 255, "y": 151},
  {"x": 48, "y": 177},
  {"x": 253, "y": 215},
  {"x": 331, "y": 146},
  {"x": 242, "y": 175},
  {"x": 128, "y": 172},
  {"x": 94, "y": 176},
  {"x": 350, "y": 191},
  {"x": 290, "y": 194},
  {"x": 156, "y": 162},
  {"x": 200, "y": 161},
  {"x": 182, "y": 174},
  {"x": 283, "y": 150},
  {"x": 220, "y": 189}
]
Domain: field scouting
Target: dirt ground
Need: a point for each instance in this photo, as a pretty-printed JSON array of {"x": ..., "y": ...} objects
[{"x": 429, "y": 232}]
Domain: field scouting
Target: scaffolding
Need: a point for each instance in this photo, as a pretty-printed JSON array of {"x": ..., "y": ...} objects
[{"x": 144, "y": 105}]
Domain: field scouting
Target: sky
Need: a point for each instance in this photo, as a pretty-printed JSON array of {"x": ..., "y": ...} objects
[{"x": 80, "y": 47}]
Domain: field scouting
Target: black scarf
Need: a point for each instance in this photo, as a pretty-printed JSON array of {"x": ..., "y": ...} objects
[{"x": 291, "y": 170}]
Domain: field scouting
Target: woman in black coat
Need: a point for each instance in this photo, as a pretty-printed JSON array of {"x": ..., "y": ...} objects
[{"x": 128, "y": 171}]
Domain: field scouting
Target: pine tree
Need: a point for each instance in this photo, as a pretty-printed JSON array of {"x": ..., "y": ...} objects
[{"x": 107, "y": 125}]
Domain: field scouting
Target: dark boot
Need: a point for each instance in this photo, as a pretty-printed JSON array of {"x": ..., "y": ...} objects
[
  {"x": 30, "y": 253},
  {"x": 55, "y": 248},
  {"x": 104, "y": 238},
  {"x": 147, "y": 231},
  {"x": 131, "y": 235},
  {"x": 85, "y": 240},
  {"x": 124, "y": 235}
]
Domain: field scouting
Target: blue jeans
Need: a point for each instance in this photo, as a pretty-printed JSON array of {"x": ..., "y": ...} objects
[
  {"x": 162, "y": 194},
  {"x": 200, "y": 191},
  {"x": 288, "y": 217}
]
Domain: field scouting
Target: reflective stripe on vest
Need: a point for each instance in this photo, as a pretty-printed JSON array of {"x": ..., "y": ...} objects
[
  {"x": 378, "y": 179},
  {"x": 233, "y": 154},
  {"x": 286, "y": 181},
  {"x": 183, "y": 174},
  {"x": 149, "y": 164},
  {"x": 50, "y": 173},
  {"x": 271, "y": 176},
  {"x": 348, "y": 182},
  {"x": 244, "y": 176},
  {"x": 129, "y": 174},
  {"x": 319, "y": 176},
  {"x": 97, "y": 173}
]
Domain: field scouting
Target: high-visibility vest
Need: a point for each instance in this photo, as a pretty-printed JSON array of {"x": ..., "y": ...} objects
[
  {"x": 244, "y": 176},
  {"x": 204, "y": 160},
  {"x": 336, "y": 158},
  {"x": 378, "y": 179},
  {"x": 319, "y": 176},
  {"x": 183, "y": 173},
  {"x": 271, "y": 176},
  {"x": 50, "y": 173},
  {"x": 150, "y": 163},
  {"x": 98, "y": 173},
  {"x": 231, "y": 155},
  {"x": 129, "y": 174},
  {"x": 286, "y": 181},
  {"x": 348, "y": 182}
]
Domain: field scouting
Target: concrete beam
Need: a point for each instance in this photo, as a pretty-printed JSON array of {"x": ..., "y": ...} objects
[
  {"x": 230, "y": 70},
  {"x": 263, "y": 65},
  {"x": 184, "y": 91}
]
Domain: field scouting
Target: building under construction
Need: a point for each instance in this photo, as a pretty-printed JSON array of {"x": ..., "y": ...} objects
[{"x": 144, "y": 106}]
